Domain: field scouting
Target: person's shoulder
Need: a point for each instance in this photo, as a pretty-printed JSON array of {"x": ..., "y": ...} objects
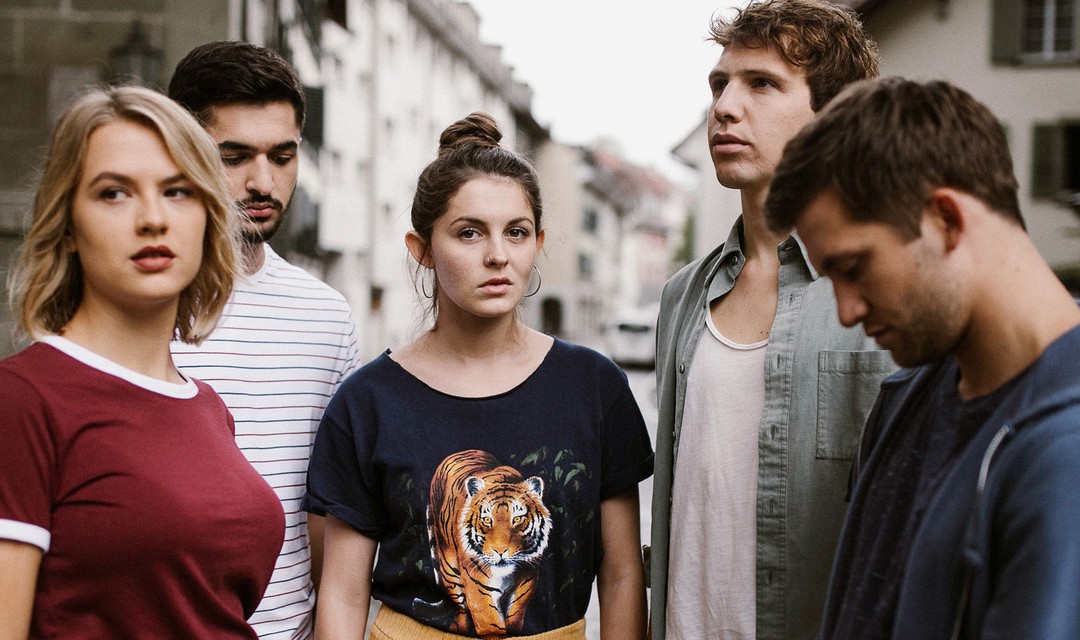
[
  {"x": 686, "y": 275},
  {"x": 36, "y": 373},
  {"x": 283, "y": 273},
  {"x": 580, "y": 358},
  {"x": 33, "y": 362},
  {"x": 377, "y": 372}
]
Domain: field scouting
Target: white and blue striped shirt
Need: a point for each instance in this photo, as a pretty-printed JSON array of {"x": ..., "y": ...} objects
[{"x": 284, "y": 344}]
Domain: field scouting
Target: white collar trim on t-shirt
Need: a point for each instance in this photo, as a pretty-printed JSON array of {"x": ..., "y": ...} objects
[
  {"x": 182, "y": 391},
  {"x": 728, "y": 341}
]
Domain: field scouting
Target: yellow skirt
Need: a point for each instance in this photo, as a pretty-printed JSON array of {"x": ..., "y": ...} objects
[{"x": 391, "y": 625}]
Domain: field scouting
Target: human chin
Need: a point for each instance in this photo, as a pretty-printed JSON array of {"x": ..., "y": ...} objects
[
  {"x": 919, "y": 349},
  {"x": 733, "y": 175},
  {"x": 253, "y": 232}
]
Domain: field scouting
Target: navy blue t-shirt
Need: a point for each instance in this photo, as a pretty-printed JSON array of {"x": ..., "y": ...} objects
[{"x": 486, "y": 510}]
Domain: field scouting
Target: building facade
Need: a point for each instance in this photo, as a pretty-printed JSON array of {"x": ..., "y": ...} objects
[
  {"x": 383, "y": 78},
  {"x": 1022, "y": 59}
]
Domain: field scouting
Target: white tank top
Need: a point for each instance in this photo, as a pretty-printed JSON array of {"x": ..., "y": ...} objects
[{"x": 713, "y": 545}]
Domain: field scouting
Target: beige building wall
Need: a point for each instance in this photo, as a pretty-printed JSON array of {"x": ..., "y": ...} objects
[{"x": 929, "y": 39}]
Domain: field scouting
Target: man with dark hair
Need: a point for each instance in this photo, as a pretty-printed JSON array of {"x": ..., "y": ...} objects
[
  {"x": 762, "y": 394},
  {"x": 965, "y": 511},
  {"x": 286, "y": 339}
]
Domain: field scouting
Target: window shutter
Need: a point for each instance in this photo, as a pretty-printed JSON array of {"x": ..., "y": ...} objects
[
  {"x": 313, "y": 123},
  {"x": 1048, "y": 158},
  {"x": 1006, "y": 31}
]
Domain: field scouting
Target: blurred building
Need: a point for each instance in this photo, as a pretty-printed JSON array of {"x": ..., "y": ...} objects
[
  {"x": 713, "y": 207},
  {"x": 611, "y": 227},
  {"x": 1020, "y": 57},
  {"x": 383, "y": 78}
]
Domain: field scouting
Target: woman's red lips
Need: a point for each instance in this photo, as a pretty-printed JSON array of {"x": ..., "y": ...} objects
[
  {"x": 151, "y": 259},
  {"x": 160, "y": 251}
]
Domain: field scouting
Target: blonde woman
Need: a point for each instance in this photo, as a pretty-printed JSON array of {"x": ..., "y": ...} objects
[{"x": 126, "y": 509}]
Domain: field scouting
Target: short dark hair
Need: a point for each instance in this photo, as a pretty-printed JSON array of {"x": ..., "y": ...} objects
[
  {"x": 228, "y": 72},
  {"x": 826, "y": 40},
  {"x": 883, "y": 145}
]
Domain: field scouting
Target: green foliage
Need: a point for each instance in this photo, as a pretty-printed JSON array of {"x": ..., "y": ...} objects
[{"x": 684, "y": 253}]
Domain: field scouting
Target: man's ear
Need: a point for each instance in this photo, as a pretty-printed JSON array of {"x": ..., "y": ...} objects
[
  {"x": 418, "y": 248},
  {"x": 948, "y": 213}
]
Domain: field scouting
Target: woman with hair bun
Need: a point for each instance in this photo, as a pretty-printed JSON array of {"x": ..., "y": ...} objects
[
  {"x": 479, "y": 479},
  {"x": 126, "y": 509}
]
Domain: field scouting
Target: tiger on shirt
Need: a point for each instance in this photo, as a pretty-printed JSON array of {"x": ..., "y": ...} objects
[{"x": 488, "y": 528}]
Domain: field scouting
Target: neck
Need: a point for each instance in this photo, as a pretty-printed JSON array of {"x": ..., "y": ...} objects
[
  {"x": 138, "y": 343},
  {"x": 1020, "y": 308},
  {"x": 759, "y": 242},
  {"x": 254, "y": 255},
  {"x": 476, "y": 339}
]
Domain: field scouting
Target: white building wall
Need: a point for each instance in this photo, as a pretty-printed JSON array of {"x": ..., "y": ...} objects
[
  {"x": 394, "y": 82},
  {"x": 715, "y": 207}
]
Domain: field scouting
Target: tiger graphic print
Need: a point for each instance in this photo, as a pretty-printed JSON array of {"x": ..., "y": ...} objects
[{"x": 488, "y": 528}]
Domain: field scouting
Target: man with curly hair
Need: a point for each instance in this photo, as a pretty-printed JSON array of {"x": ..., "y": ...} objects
[{"x": 762, "y": 394}]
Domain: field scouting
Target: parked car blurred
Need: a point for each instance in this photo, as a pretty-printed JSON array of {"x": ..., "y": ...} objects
[{"x": 630, "y": 338}]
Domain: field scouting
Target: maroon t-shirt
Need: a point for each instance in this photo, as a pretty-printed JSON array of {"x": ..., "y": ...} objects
[{"x": 152, "y": 521}]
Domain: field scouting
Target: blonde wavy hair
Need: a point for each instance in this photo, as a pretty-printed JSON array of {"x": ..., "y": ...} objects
[{"x": 46, "y": 284}]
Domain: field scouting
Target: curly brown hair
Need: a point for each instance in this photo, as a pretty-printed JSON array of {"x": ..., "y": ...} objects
[{"x": 826, "y": 40}]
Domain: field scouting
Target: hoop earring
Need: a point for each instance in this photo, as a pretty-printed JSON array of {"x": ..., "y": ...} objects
[
  {"x": 539, "y": 281},
  {"x": 423, "y": 287}
]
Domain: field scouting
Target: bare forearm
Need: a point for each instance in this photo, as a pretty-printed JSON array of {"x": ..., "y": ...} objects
[
  {"x": 19, "y": 565},
  {"x": 621, "y": 579},
  {"x": 345, "y": 590},
  {"x": 623, "y": 607},
  {"x": 341, "y": 616}
]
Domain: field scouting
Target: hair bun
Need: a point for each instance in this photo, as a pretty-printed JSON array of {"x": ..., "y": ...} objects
[{"x": 477, "y": 129}]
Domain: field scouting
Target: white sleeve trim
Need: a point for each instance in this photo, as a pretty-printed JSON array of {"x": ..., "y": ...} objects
[{"x": 24, "y": 532}]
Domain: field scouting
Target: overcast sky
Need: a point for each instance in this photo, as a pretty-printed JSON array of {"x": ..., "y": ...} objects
[{"x": 631, "y": 71}]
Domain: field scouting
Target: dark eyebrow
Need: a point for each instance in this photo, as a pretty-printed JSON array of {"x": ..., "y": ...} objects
[
  {"x": 836, "y": 262},
  {"x": 753, "y": 73},
  {"x": 480, "y": 223},
  {"x": 232, "y": 145}
]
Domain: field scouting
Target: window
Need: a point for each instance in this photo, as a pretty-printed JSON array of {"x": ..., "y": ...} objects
[
  {"x": 1056, "y": 165},
  {"x": 1036, "y": 31},
  {"x": 590, "y": 220},
  {"x": 1048, "y": 28},
  {"x": 313, "y": 123},
  {"x": 585, "y": 267}
]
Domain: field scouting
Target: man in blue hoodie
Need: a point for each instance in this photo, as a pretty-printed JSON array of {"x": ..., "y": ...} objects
[{"x": 966, "y": 505}]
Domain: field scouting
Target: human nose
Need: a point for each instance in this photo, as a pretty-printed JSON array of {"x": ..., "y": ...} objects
[
  {"x": 851, "y": 308},
  {"x": 496, "y": 254},
  {"x": 261, "y": 179},
  {"x": 153, "y": 217},
  {"x": 727, "y": 104}
]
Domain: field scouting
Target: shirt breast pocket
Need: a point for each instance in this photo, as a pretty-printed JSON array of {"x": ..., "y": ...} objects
[{"x": 848, "y": 384}]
